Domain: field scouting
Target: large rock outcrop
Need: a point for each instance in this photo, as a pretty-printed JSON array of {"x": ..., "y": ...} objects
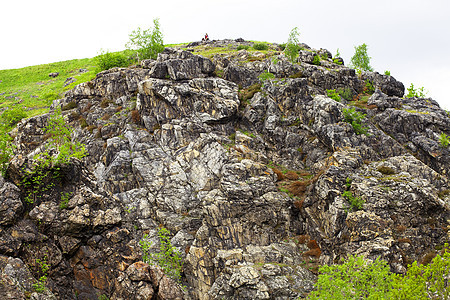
[{"x": 248, "y": 178}]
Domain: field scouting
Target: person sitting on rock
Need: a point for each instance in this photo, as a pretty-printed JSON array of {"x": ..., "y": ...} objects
[{"x": 206, "y": 38}]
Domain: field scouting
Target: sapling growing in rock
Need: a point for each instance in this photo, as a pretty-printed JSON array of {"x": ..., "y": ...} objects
[{"x": 361, "y": 60}]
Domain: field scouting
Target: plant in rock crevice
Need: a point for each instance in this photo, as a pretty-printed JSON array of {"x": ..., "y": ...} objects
[
  {"x": 168, "y": 258},
  {"x": 355, "y": 118},
  {"x": 58, "y": 151}
]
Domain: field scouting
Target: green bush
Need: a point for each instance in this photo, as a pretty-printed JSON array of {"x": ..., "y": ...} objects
[
  {"x": 107, "y": 60},
  {"x": 168, "y": 258},
  {"x": 369, "y": 88},
  {"x": 264, "y": 76},
  {"x": 292, "y": 46},
  {"x": 418, "y": 93},
  {"x": 358, "y": 278},
  {"x": 346, "y": 93},
  {"x": 444, "y": 140},
  {"x": 333, "y": 95},
  {"x": 260, "y": 46},
  {"x": 282, "y": 46},
  {"x": 147, "y": 43},
  {"x": 387, "y": 73},
  {"x": 361, "y": 60},
  {"x": 316, "y": 60},
  {"x": 242, "y": 47},
  {"x": 355, "y": 118}
]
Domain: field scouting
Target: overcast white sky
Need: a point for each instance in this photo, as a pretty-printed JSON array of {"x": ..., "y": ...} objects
[{"x": 410, "y": 38}]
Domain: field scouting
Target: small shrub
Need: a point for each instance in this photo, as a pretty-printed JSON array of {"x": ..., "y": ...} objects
[
  {"x": 282, "y": 46},
  {"x": 316, "y": 60},
  {"x": 264, "y": 76},
  {"x": 346, "y": 93},
  {"x": 242, "y": 47},
  {"x": 418, "y": 93},
  {"x": 147, "y": 43},
  {"x": 361, "y": 60},
  {"x": 64, "y": 200},
  {"x": 107, "y": 60},
  {"x": 39, "y": 286},
  {"x": 169, "y": 259},
  {"x": 292, "y": 46},
  {"x": 444, "y": 140},
  {"x": 333, "y": 95},
  {"x": 356, "y": 203},
  {"x": 355, "y": 118},
  {"x": 260, "y": 46},
  {"x": 387, "y": 73},
  {"x": 369, "y": 88}
]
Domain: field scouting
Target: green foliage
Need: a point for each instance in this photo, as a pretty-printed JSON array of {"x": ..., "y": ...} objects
[
  {"x": 64, "y": 200},
  {"x": 419, "y": 93},
  {"x": 355, "y": 118},
  {"x": 260, "y": 46},
  {"x": 333, "y": 95},
  {"x": 46, "y": 167},
  {"x": 242, "y": 47},
  {"x": 168, "y": 258},
  {"x": 369, "y": 88},
  {"x": 444, "y": 140},
  {"x": 264, "y": 76},
  {"x": 354, "y": 279},
  {"x": 338, "y": 54},
  {"x": 39, "y": 286},
  {"x": 346, "y": 93},
  {"x": 147, "y": 43},
  {"x": 107, "y": 60},
  {"x": 356, "y": 203},
  {"x": 316, "y": 60},
  {"x": 388, "y": 73},
  {"x": 292, "y": 46},
  {"x": 282, "y": 46},
  {"x": 357, "y": 278},
  {"x": 361, "y": 60}
]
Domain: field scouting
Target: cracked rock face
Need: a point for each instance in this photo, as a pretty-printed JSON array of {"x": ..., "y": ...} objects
[{"x": 251, "y": 180}]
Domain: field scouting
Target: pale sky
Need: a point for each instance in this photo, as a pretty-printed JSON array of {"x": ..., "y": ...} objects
[{"x": 410, "y": 38}]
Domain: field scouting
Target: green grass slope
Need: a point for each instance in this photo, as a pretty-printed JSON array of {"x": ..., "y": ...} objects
[{"x": 32, "y": 89}]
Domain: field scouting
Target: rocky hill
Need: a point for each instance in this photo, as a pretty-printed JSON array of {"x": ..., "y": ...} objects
[{"x": 259, "y": 184}]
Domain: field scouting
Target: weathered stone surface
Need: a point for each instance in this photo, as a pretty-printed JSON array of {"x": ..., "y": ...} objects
[
  {"x": 10, "y": 204},
  {"x": 250, "y": 186}
]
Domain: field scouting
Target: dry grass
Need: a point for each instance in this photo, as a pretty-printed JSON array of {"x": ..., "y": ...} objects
[
  {"x": 291, "y": 175},
  {"x": 298, "y": 188},
  {"x": 135, "y": 116},
  {"x": 280, "y": 175}
]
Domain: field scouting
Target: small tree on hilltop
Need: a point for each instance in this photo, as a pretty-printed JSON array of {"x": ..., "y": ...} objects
[
  {"x": 361, "y": 60},
  {"x": 147, "y": 43},
  {"x": 292, "y": 45}
]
